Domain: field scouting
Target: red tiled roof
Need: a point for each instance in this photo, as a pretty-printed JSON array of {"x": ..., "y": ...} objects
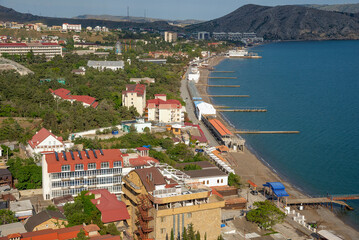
[
  {"x": 142, "y": 148},
  {"x": 146, "y": 173},
  {"x": 142, "y": 161},
  {"x": 220, "y": 127},
  {"x": 41, "y": 136},
  {"x": 65, "y": 94},
  {"x": 202, "y": 138},
  {"x": 112, "y": 210},
  {"x": 110, "y": 155},
  {"x": 138, "y": 88},
  {"x": 61, "y": 92},
  {"x": 160, "y": 95},
  {"x": 85, "y": 99},
  {"x": 159, "y": 103},
  {"x": 91, "y": 228}
]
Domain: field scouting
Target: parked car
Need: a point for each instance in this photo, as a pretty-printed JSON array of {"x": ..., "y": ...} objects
[
  {"x": 254, "y": 192},
  {"x": 199, "y": 150}
]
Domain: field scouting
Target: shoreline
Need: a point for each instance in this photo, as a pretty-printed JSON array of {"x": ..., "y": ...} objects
[{"x": 250, "y": 166}]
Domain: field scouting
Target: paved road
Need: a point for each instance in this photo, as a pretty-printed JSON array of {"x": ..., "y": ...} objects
[{"x": 191, "y": 113}]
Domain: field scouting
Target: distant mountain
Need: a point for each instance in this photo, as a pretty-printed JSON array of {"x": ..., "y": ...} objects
[
  {"x": 136, "y": 19},
  {"x": 289, "y": 22},
  {"x": 348, "y": 8},
  {"x": 8, "y": 14}
]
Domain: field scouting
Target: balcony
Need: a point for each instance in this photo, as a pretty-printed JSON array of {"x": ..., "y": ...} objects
[{"x": 133, "y": 185}]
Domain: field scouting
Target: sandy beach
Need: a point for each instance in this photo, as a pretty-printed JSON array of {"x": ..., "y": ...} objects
[{"x": 249, "y": 167}]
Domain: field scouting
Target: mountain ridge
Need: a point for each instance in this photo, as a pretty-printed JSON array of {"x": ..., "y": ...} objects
[
  {"x": 287, "y": 22},
  {"x": 9, "y": 14}
]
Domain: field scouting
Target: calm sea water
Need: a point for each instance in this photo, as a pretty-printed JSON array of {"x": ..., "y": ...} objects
[{"x": 312, "y": 87}]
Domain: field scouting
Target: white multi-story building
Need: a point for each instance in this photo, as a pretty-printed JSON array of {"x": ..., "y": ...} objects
[
  {"x": 135, "y": 95},
  {"x": 69, "y": 173},
  {"x": 71, "y": 27},
  {"x": 50, "y": 50},
  {"x": 45, "y": 141},
  {"x": 164, "y": 111},
  {"x": 170, "y": 36},
  {"x": 102, "y": 65}
]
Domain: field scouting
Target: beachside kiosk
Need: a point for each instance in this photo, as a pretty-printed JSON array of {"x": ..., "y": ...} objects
[{"x": 276, "y": 189}]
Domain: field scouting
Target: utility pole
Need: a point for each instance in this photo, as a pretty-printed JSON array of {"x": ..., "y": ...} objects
[{"x": 128, "y": 13}]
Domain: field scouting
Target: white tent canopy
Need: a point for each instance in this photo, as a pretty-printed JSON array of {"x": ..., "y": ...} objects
[{"x": 204, "y": 108}]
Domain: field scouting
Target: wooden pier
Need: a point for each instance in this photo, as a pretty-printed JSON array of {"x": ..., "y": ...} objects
[
  {"x": 242, "y": 110},
  {"x": 326, "y": 201},
  {"x": 222, "y": 77},
  {"x": 266, "y": 132},
  {"x": 219, "y": 107},
  {"x": 226, "y": 95},
  {"x": 231, "y": 86}
]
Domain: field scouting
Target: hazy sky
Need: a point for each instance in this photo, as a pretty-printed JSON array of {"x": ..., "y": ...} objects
[{"x": 167, "y": 9}]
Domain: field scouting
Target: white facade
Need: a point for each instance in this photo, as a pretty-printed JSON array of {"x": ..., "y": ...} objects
[
  {"x": 193, "y": 74},
  {"x": 87, "y": 170},
  {"x": 49, "y": 144},
  {"x": 135, "y": 95},
  {"x": 50, "y": 50},
  {"x": 71, "y": 27},
  {"x": 214, "y": 181},
  {"x": 102, "y": 65},
  {"x": 170, "y": 36}
]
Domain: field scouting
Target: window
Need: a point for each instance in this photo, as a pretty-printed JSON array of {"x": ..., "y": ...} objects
[
  {"x": 207, "y": 181},
  {"x": 65, "y": 168},
  {"x": 204, "y": 182},
  {"x": 163, "y": 230},
  {"x": 163, "y": 219},
  {"x": 221, "y": 180},
  {"x": 217, "y": 180},
  {"x": 79, "y": 167},
  {"x": 105, "y": 165},
  {"x": 117, "y": 164},
  {"x": 91, "y": 166},
  {"x": 189, "y": 215}
]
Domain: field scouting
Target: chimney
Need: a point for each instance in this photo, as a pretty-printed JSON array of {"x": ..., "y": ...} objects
[{"x": 151, "y": 177}]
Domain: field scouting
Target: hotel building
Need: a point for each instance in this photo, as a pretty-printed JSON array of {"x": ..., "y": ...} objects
[
  {"x": 69, "y": 173},
  {"x": 164, "y": 111},
  {"x": 50, "y": 50},
  {"x": 135, "y": 95},
  {"x": 162, "y": 200}
]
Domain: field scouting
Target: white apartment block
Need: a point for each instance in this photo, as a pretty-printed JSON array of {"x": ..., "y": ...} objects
[
  {"x": 164, "y": 111},
  {"x": 69, "y": 173},
  {"x": 50, "y": 50},
  {"x": 170, "y": 36},
  {"x": 71, "y": 27},
  {"x": 135, "y": 95}
]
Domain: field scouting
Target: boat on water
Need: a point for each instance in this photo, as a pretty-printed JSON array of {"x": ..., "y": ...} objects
[{"x": 241, "y": 53}]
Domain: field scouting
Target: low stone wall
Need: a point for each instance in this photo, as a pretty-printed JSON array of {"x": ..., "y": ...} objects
[{"x": 30, "y": 192}]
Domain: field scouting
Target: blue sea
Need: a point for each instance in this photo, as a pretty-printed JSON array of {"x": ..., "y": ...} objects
[{"x": 312, "y": 87}]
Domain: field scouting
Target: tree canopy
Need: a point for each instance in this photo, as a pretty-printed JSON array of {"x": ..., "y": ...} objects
[{"x": 266, "y": 214}]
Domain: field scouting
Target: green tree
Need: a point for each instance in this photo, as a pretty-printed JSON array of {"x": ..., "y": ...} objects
[
  {"x": 234, "y": 180},
  {"x": 266, "y": 214},
  {"x": 28, "y": 174},
  {"x": 7, "y": 216},
  {"x": 52, "y": 208},
  {"x": 81, "y": 235}
]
